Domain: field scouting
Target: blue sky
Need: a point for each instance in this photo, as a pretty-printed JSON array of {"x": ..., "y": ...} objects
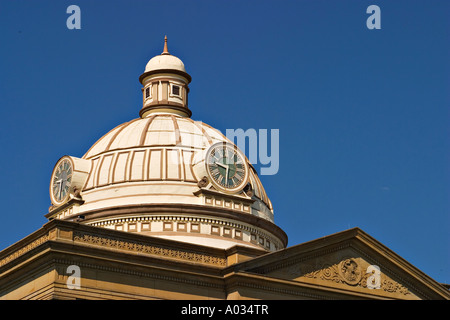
[{"x": 363, "y": 114}]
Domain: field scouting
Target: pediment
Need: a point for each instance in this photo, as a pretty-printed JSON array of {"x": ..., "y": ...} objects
[
  {"x": 347, "y": 270},
  {"x": 349, "y": 261}
]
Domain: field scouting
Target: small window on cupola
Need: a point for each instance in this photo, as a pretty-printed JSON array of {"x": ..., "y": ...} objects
[
  {"x": 175, "y": 90},
  {"x": 147, "y": 92}
]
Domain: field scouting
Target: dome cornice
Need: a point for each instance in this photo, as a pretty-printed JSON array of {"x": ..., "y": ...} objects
[
  {"x": 171, "y": 106},
  {"x": 164, "y": 71}
]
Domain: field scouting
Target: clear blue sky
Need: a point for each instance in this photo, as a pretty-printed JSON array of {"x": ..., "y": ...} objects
[{"x": 363, "y": 114}]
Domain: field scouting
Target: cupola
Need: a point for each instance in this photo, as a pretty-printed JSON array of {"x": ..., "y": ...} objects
[{"x": 165, "y": 86}]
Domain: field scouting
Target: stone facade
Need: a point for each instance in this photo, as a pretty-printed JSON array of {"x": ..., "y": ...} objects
[{"x": 122, "y": 265}]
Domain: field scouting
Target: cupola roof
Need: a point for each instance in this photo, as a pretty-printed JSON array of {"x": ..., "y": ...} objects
[{"x": 165, "y": 63}]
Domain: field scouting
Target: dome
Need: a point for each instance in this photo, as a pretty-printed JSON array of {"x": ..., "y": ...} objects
[
  {"x": 140, "y": 158},
  {"x": 164, "y": 62},
  {"x": 151, "y": 175}
]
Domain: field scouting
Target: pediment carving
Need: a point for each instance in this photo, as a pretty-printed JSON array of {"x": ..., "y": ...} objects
[{"x": 349, "y": 271}]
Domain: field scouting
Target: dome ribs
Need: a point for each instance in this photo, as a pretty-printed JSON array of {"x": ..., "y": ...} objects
[
  {"x": 118, "y": 132},
  {"x": 145, "y": 131},
  {"x": 87, "y": 154},
  {"x": 210, "y": 141},
  {"x": 177, "y": 131}
]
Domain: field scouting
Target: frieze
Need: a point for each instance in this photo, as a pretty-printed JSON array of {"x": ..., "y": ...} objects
[
  {"x": 24, "y": 250},
  {"x": 61, "y": 269},
  {"x": 107, "y": 242},
  {"x": 205, "y": 221}
]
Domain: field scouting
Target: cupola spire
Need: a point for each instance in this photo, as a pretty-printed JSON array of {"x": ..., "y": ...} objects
[{"x": 166, "y": 51}]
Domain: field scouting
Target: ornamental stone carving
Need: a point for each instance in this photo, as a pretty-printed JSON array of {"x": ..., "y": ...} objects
[
  {"x": 24, "y": 249},
  {"x": 203, "y": 182},
  {"x": 349, "y": 271},
  {"x": 105, "y": 241}
]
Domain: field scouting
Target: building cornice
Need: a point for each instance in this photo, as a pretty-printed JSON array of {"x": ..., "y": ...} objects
[{"x": 166, "y": 71}]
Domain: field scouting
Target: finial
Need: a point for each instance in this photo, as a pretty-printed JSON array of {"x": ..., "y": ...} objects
[{"x": 166, "y": 51}]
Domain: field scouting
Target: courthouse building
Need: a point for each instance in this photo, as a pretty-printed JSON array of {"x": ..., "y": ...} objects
[{"x": 165, "y": 207}]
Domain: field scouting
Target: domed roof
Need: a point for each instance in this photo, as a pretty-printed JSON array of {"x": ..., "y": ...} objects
[
  {"x": 150, "y": 153},
  {"x": 150, "y": 175},
  {"x": 164, "y": 62}
]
